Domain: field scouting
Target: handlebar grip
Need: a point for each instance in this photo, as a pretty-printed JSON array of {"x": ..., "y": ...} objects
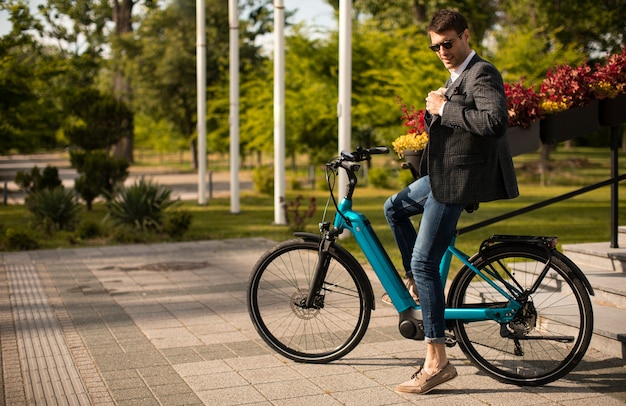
[
  {"x": 348, "y": 156},
  {"x": 349, "y": 166},
  {"x": 378, "y": 150}
]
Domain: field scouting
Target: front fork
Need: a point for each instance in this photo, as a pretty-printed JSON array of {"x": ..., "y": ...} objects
[{"x": 319, "y": 275}]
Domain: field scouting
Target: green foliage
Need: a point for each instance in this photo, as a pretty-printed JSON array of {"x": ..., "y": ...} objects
[
  {"x": 99, "y": 173},
  {"x": 127, "y": 234},
  {"x": 28, "y": 113},
  {"x": 589, "y": 25},
  {"x": 64, "y": 88},
  {"x": 88, "y": 229},
  {"x": 20, "y": 240},
  {"x": 35, "y": 181},
  {"x": 406, "y": 177},
  {"x": 573, "y": 168},
  {"x": 379, "y": 178},
  {"x": 157, "y": 135},
  {"x": 521, "y": 52},
  {"x": 263, "y": 179},
  {"x": 295, "y": 184},
  {"x": 177, "y": 223},
  {"x": 96, "y": 121},
  {"x": 54, "y": 209},
  {"x": 140, "y": 205}
]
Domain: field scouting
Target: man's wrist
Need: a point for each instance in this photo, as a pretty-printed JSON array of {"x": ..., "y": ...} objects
[{"x": 440, "y": 112}]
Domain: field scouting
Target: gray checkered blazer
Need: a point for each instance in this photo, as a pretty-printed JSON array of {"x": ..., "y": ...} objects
[{"x": 468, "y": 157}]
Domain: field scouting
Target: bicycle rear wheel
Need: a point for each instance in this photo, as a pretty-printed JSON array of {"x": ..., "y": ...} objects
[
  {"x": 321, "y": 333},
  {"x": 550, "y": 333}
]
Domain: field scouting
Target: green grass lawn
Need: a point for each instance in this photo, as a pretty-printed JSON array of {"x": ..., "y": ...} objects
[{"x": 585, "y": 218}]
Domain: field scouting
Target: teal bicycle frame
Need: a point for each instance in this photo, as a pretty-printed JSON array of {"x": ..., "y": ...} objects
[{"x": 378, "y": 258}]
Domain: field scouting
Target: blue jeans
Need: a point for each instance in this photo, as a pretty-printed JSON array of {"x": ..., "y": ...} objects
[{"x": 422, "y": 251}]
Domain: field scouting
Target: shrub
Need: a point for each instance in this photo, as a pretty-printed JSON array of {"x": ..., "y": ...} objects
[
  {"x": 177, "y": 223},
  {"x": 128, "y": 235},
  {"x": 89, "y": 229},
  {"x": 379, "y": 177},
  {"x": 54, "y": 209},
  {"x": 20, "y": 240},
  {"x": 34, "y": 181},
  {"x": 263, "y": 179},
  {"x": 140, "y": 205},
  {"x": 295, "y": 184},
  {"x": 295, "y": 218},
  {"x": 99, "y": 174}
]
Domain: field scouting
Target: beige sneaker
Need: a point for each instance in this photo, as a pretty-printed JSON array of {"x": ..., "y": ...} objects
[
  {"x": 410, "y": 285},
  {"x": 422, "y": 383}
]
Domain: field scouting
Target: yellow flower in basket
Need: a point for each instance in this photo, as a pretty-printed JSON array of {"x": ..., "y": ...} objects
[{"x": 416, "y": 137}]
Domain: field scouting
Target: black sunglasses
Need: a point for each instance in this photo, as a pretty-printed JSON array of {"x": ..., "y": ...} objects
[{"x": 446, "y": 44}]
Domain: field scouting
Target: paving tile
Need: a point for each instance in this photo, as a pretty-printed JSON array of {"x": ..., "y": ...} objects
[
  {"x": 231, "y": 396},
  {"x": 290, "y": 389},
  {"x": 143, "y": 336}
]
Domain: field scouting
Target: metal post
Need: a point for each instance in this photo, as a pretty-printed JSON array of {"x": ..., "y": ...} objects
[
  {"x": 344, "y": 106},
  {"x": 233, "y": 16},
  {"x": 201, "y": 98},
  {"x": 210, "y": 185},
  {"x": 615, "y": 186},
  {"x": 312, "y": 176},
  {"x": 279, "y": 111}
]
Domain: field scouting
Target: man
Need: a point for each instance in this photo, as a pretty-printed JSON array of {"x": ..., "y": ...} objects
[{"x": 467, "y": 161}]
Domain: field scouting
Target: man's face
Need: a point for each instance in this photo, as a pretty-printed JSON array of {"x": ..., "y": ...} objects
[{"x": 458, "y": 43}]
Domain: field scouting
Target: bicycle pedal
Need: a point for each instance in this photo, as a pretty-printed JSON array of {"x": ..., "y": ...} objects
[{"x": 450, "y": 340}]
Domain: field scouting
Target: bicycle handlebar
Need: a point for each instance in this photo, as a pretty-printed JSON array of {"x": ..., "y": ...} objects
[{"x": 347, "y": 160}]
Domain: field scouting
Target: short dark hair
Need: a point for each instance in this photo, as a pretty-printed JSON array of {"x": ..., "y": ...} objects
[{"x": 444, "y": 20}]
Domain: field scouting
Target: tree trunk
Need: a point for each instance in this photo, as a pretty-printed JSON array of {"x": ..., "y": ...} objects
[
  {"x": 419, "y": 12},
  {"x": 122, "y": 17},
  {"x": 544, "y": 163},
  {"x": 193, "y": 147}
]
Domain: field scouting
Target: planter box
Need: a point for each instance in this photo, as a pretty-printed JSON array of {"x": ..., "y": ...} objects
[
  {"x": 613, "y": 111},
  {"x": 572, "y": 123},
  {"x": 524, "y": 140},
  {"x": 413, "y": 160}
]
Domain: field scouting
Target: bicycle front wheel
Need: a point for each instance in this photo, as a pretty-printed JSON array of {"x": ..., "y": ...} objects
[
  {"x": 324, "y": 332},
  {"x": 550, "y": 333}
]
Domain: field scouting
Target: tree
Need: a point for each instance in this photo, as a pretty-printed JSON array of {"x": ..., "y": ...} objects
[
  {"x": 161, "y": 60},
  {"x": 393, "y": 15},
  {"x": 99, "y": 173},
  {"x": 521, "y": 53},
  {"x": 97, "y": 121},
  {"x": 594, "y": 26}
]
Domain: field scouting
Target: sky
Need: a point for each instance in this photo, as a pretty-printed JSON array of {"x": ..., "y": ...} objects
[{"x": 312, "y": 12}]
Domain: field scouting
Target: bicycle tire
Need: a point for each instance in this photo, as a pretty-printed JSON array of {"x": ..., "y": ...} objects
[
  {"x": 281, "y": 279},
  {"x": 561, "y": 307}
]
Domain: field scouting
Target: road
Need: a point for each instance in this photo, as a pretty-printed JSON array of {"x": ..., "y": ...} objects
[{"x": 183, "y": 185}]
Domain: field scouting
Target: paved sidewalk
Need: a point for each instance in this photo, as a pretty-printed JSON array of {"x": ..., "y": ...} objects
[{"x": 167, "y": 324}]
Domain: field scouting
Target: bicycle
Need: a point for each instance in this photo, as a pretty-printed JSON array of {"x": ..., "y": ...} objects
[{"x": 519, "y": 309}]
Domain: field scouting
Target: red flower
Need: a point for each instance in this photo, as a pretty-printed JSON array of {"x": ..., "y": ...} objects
[
  {"x": 572, "y": 86},
  {"x": 610, "y": 78},
  {"x": 412, "y": 118},
  {"x": 522, "y": 103}
]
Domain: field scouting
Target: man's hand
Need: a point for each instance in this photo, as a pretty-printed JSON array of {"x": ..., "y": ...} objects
[{"x": 436, "y": 100}]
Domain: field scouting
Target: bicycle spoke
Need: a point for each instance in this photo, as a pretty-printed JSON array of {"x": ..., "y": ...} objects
[
  {"x": 550, "y": 332},
  {"x": 319, "y": 333}
]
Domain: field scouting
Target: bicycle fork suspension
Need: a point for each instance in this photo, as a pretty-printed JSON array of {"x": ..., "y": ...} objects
[{"x": 314, "y": 299}]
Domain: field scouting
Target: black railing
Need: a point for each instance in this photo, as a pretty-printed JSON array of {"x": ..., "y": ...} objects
[{"x": 613, "y": 181}]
